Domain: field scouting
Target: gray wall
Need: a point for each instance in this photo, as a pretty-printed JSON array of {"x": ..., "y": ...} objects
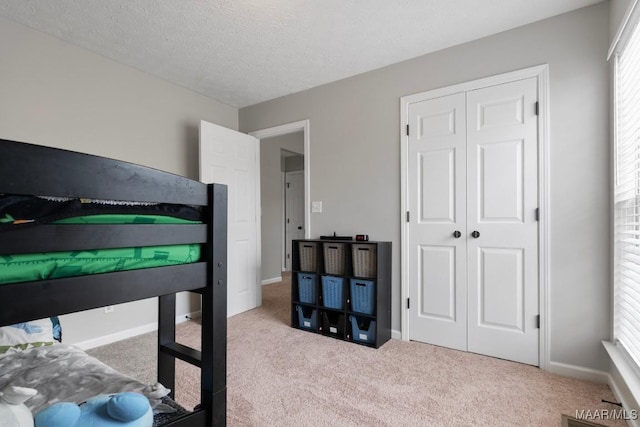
[
  {"x": 294, "y": 163},
  {"x": 355, "y": 157},
  {"x": 272, "y": 198},
  {"x": 59, "y": 95}
]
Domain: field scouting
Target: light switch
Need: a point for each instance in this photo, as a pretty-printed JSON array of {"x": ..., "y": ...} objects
[{"x": 316, "y": 207}]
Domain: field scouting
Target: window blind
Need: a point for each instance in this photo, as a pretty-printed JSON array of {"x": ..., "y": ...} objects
[{"x": 627, "y": 197}]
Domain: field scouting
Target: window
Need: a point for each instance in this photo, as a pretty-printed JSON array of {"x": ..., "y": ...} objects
[{"x": 627, "y": 193}]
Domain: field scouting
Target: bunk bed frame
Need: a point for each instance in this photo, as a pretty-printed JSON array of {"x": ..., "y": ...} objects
[{"x": 28, "y": 169}]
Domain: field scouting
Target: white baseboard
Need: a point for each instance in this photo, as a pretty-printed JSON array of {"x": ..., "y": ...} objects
[
  {"x": 579, "y": 372},
  {"x": 272, "y": 280},
  {"x": 133, "y": 332},
  {"x": 396, "y": 334}
]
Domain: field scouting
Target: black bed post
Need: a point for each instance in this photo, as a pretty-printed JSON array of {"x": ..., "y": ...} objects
[
  {"x": 214, "y": 312},
  {"x": 166, "y": 336}
]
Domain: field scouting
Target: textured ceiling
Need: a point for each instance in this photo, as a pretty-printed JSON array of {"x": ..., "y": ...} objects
[{"x": 241, "y": 52}]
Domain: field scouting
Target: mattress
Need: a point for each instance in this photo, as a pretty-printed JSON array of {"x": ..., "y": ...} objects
[
  {"x": 18, "y": 211},
  {"x": 26, "y": 211}
]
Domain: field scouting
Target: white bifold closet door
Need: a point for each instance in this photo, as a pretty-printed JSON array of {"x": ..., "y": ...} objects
[{"x": 473, "y": 233}]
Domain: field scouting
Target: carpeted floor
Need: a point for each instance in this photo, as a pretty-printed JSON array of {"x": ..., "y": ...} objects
[{"x": 280, "y": 376}]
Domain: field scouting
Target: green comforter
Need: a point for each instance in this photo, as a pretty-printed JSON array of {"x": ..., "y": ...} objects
[{"x": 52, "y": 265}]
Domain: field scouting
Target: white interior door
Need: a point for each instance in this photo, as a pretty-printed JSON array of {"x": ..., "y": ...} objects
[
  {"x": 472, "y": 167},
  {"x": 436, "y": 183},
  {"x": 502, "y": 139},
  {"x": 233, "y": 158},
  {"x": 294, "y": 211}
]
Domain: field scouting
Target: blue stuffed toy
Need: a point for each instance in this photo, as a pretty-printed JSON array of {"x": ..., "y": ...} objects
[{"x": 126, "y": 409}]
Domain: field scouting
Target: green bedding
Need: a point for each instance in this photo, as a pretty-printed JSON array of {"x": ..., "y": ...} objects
[
  {"x": 53, "y": 265},
  {"x": 124, "y": 219}
]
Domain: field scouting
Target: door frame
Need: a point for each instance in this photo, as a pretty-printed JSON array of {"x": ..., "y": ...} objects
[
  {"x": 284, "y": 129},
  {"x": 541, "y": 72}
]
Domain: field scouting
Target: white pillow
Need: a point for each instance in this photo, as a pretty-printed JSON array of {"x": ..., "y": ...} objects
[{"x": 25, "y": 335}]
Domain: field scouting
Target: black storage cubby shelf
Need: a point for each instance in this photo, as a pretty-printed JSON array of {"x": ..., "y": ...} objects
[{"x": 317, "y": 287}]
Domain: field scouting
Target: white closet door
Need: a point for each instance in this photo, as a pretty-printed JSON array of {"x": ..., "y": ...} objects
[
  {"x": 436, "y": 184},
  {"x": 501, "y": 207},
  {"x": 472, "y": 168}
]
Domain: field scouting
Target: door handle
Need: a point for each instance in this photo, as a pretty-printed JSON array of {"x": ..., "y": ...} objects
[
  {"x": 457, "y": 234},
  {"x": 475, "y": 234}
]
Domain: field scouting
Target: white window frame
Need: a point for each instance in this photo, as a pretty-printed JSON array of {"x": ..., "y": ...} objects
[{"x": 626, "y": 366}]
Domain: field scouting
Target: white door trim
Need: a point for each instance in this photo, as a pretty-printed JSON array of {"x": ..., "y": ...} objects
[
  {"x": 541, "y": 72},
  {"x": 283, "y": 215},
  {"x": 304, "y": 126}
]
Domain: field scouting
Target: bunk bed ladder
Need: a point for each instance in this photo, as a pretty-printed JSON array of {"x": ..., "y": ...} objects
[{"x": 212, "y": 359}]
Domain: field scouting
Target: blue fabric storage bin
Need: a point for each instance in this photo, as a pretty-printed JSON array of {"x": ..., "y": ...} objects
[
  {"x": 359, "y": 332},
  {"x": 307, "y": 317},
  {"x": 363, "y": 296},
  {"x": 307, "y": 285},
  {"x": 333, "y": 292}
]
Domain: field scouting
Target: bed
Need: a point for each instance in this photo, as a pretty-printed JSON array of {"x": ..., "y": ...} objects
[{"x": 28, "y": 170}]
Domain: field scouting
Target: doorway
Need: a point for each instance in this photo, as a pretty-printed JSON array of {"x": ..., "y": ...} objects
[{"x": 294, "y": 139}]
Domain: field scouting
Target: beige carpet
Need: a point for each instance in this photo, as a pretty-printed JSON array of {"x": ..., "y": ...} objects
[{"x": 280, "y": 376}]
